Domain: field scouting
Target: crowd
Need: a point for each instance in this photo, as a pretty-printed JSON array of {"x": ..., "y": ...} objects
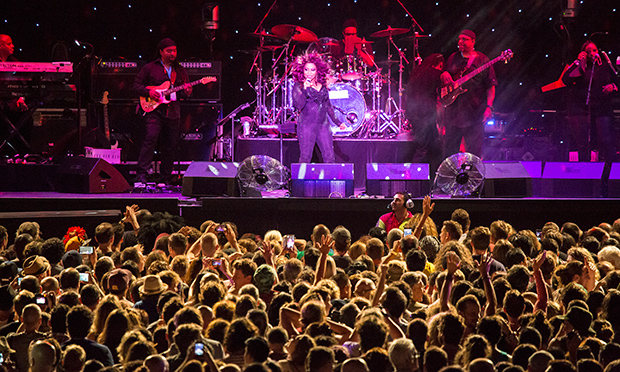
[{"x": 152, "y": 294}]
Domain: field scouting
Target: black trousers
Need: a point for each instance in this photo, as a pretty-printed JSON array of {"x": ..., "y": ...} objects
[{"x": 158, "y": 126}]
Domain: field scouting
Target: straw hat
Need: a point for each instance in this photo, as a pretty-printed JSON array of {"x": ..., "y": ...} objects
[{"x": 152, "y": 286}]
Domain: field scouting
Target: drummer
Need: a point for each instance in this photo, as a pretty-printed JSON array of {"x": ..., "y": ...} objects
[{"x": 352, "y": 44}]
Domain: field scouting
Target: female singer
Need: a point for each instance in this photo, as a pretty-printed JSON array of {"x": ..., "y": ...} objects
[
  {"x": 591, "y": 82},
  {"x": 311, "y": 99}
]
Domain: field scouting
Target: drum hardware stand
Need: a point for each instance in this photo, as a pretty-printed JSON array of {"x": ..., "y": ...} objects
[
  {"x": 259, "y": 113},
  {"x": 387, "y": 118},
  {"x": 221, "y": 140}
]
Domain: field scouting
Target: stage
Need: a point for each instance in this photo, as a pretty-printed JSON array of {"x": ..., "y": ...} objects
[
  {"x": 56, "y": 212},
  {"x": 347, "y": 150}
]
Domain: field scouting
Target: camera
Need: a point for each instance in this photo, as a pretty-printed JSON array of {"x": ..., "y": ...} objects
[
  {"x": 86, "y": 250},
  {"x": 199, "y": 349}
]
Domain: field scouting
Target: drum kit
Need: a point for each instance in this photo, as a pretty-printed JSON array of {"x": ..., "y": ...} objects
[{"x": 360, "y": 89}]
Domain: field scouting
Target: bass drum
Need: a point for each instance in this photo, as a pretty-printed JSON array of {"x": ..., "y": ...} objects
[{"x": 349, "y": 107}]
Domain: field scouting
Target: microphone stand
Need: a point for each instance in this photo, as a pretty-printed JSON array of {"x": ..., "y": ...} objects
[{"x": 416, "y": 54}]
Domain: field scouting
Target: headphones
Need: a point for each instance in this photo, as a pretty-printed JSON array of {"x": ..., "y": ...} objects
[{"x": 408, "y": 201}]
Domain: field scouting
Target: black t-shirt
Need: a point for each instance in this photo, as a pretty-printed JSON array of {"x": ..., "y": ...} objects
[{"x": 469, "y": 107}]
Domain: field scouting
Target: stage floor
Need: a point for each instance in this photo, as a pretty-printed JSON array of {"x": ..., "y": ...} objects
[{"x": 56, "y": 212}]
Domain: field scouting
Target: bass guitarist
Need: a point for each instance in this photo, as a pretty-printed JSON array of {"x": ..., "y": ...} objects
[
  {"x": 465, "y": 118},
  {"x": 165, "y": 120}
]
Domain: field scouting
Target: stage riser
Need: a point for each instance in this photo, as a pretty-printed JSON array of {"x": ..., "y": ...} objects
[{"x": 358, "y": 152}]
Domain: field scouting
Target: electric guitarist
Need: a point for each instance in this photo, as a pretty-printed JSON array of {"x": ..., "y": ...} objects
[
  {"x": 466, "y": 117},
  {"x": 165, "y": 120}
]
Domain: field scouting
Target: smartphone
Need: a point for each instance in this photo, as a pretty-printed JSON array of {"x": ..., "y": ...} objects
[
  {"x": 199, "y": 349},
  {"x": 220, "y": 228},
  {"x": 1, "y": 358},
  {"x": 84, "y": 277},
  {"x": 407, "y": 232},
  {"x": 40, "y": 300},
  {"x": 86, "y": 250},
  {"x": 289, "y": 241},
  {"x": 538, "y": 233},
  {"x": 217, "y": 262},
  {"x": 19, "y": 281}
]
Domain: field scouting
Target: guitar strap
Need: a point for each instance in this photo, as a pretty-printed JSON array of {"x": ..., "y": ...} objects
[{"x": 470, "y": 61}]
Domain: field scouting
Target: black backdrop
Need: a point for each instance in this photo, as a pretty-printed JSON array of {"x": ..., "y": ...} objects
[{"x": 534, "y": 29}]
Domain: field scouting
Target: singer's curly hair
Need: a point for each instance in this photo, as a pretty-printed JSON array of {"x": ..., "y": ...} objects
[{"x": 322, "y": 67}]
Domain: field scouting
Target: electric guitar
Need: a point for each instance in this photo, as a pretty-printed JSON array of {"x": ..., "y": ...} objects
[
  {"x": 106, "y": 120},
  {"x": 447, "y": 94},
  {"x": 148, "y": 104}
]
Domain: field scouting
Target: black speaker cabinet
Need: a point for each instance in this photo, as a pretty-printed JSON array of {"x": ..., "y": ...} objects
[
  {"x": 198, "y": 130},
  {"x": 89, "y": 176},
  {"x": 204, "y": 178}
]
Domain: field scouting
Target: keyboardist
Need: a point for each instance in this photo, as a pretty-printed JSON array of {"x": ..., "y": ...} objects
[
  {"x": 6, "y": 54},
  {"x": 12, "y": 110}
]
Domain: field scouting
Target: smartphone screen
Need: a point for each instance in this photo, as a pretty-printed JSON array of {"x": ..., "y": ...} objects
[
  {"x": 289, "y": 241},
  {"x": 84, "y": 277},
  {"x": 199, "y": 349},
  {"x": 86, "y": 250},
  {"x": 40, "y": 300},
  {"x": 217, "y": 262},
  {"x": 407, "y": 232}
]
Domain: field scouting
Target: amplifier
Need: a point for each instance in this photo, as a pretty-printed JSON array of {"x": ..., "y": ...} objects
[{"x": 116, "y": 77}]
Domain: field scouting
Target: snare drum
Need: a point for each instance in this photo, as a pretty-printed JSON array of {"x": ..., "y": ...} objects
[
  {"x": 350, "y": 67},
  {"x": 349, "y": 107}
]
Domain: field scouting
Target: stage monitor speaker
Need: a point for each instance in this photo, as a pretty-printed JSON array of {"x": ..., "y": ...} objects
[
  {"x": 572, "y": 180},
  {"x": 313, "y": 180},
  {"x": 89, "y": 176},
  {"x": 389, "y": 178},
  {"x": 506, "y": 179},
  {"x": 204, "y": 178},
  {"x": 614, "y": 181}
]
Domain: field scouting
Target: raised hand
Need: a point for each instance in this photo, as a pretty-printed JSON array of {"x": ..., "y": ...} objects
[
  {"x": 326, "y": 244},
  {"x": 267, "y": 251},
  {"x": 427, "y": 207},
  {"x": 453, "y": 262},
  {"x": 537, "y": 264},
  {"x": 484, "y": 266}
]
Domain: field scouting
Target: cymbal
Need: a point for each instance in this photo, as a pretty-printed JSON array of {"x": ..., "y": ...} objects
[
  {"x": 330, "y": 43},
  {"x": 268, "y": 48},
  {"x": 388, "y": 62},
  {"x": 364, "y": 42},
  {"x": 297, "y": 33},
  {"x": 264, "y": 34},
  {"x": 389, "y": 32},
  {"x": 413, "y": 37}
]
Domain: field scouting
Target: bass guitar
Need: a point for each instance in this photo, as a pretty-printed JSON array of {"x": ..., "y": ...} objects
[
  {"x": 148, "y": 104},
  {"x": 448, "y": 94}
]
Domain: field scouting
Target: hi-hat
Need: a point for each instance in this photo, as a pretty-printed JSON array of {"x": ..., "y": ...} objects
[
  {"x": 264, "y": 34},
  {"x": 297, "y": 33},
  {"x": 413, "y": 37},
  {"x": 389, "y": 32}
]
